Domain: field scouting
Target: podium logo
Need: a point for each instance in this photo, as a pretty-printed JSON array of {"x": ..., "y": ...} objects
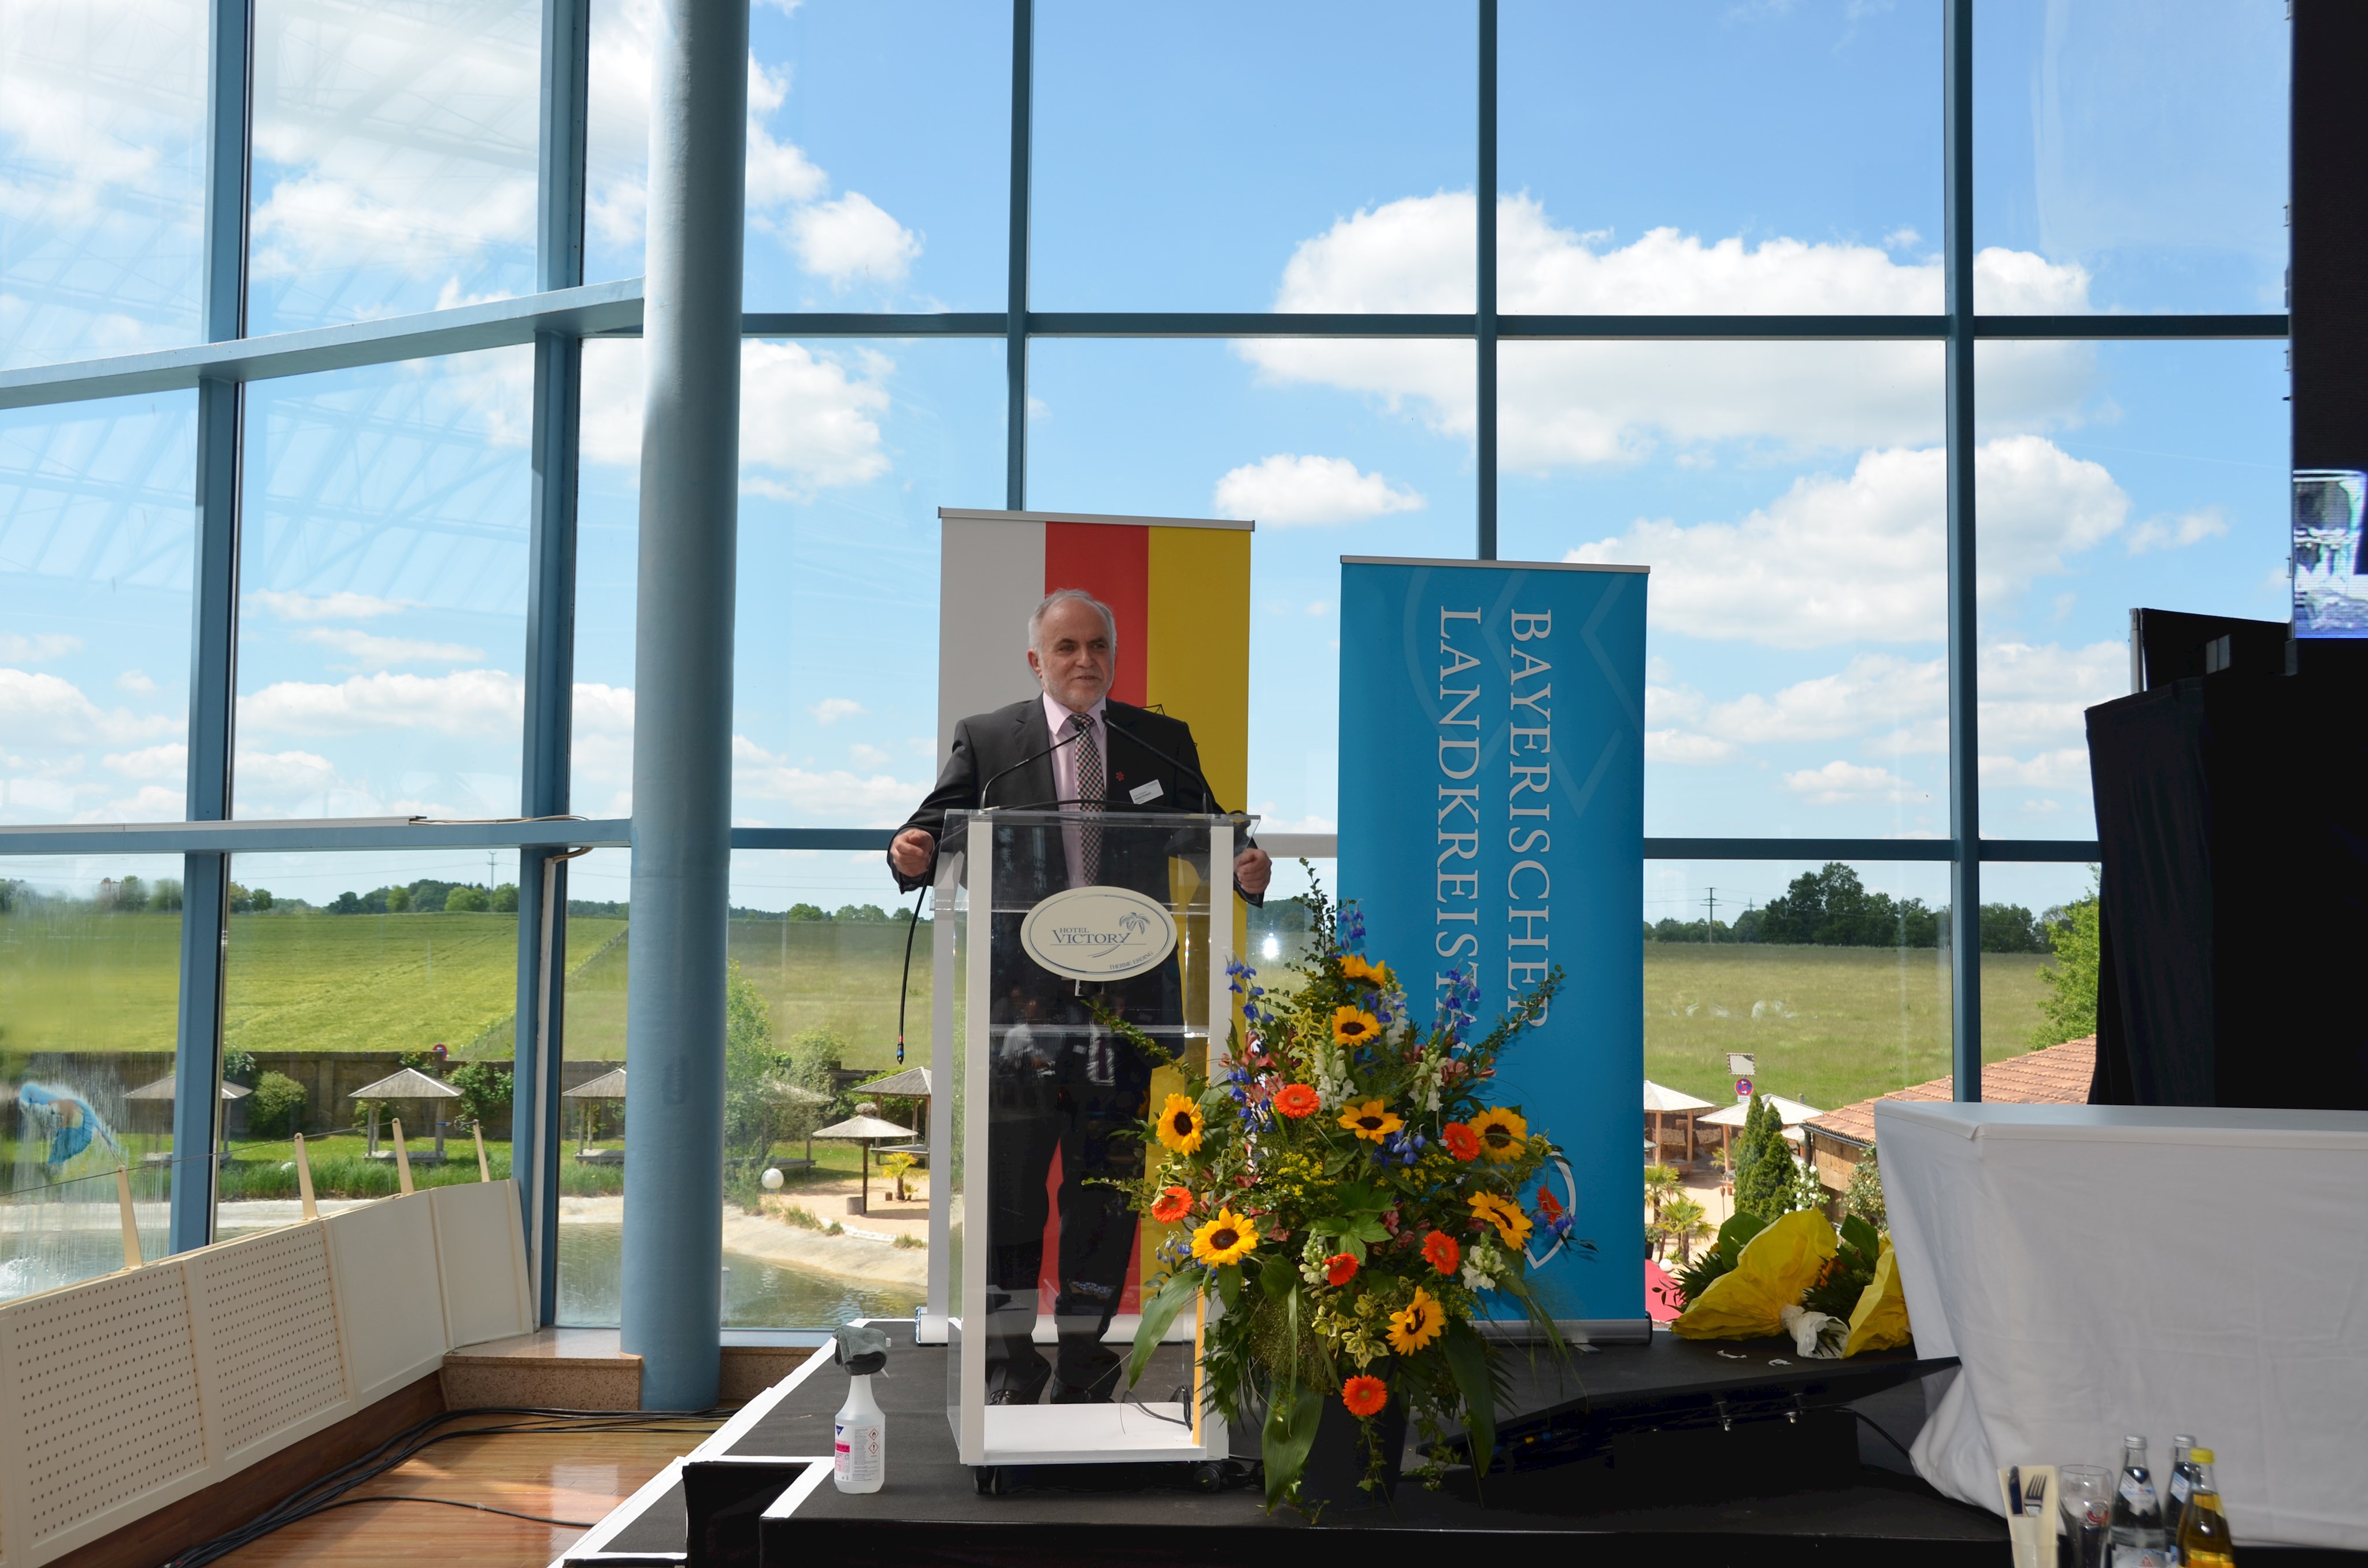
[{"x": 1099, "y": 934}]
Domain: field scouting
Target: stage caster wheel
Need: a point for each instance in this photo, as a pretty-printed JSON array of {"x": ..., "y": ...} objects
[
  {"x": 989, "y": 1480},
  {"x": 1208, "y": 1476}
]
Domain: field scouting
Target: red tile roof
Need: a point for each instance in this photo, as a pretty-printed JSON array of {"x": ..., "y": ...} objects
[{"x": 2057, "y": 1075}]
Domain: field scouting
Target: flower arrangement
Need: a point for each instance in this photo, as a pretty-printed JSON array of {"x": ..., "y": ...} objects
[{"x": 1348, "y": 1193}]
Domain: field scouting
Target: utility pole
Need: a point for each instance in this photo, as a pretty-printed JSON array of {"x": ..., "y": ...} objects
[{"x": 1712, "y": 902}]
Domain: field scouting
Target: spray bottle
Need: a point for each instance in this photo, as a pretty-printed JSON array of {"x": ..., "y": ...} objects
[{"x": 858, "y": 1433}]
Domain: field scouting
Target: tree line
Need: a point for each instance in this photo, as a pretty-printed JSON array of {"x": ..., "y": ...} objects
[{"x": 1831, "y": 908}]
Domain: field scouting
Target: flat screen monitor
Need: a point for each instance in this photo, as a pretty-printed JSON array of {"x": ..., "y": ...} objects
[{"x": 2330, "y": 553}]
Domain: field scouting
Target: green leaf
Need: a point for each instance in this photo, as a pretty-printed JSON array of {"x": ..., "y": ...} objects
[
  {"x": 1174, "y": 1292},
  {"x": 1229, "y": 1286},
  {"x": 1860, "y": 1235},
  {"x": 1371, "y": 1232},
  {"x": 1278, "y": 1279},
  {"x": 1739, "y": 1230},
  {"x": 1292, "y": 1411},
  {"x": 1467, "y": 1362}
]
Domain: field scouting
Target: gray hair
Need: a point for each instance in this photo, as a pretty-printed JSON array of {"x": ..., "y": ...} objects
[{"x": 1044, "y": 608}]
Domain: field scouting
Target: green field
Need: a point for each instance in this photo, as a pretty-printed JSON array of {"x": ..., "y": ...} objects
[{"x": 1832, "y": 1025}]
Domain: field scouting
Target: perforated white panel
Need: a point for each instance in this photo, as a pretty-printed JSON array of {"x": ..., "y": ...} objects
[
  {"x": 104, "y": 1397},
  {"x": 481, "y": 1254},
  {"x": 383, "y": 1254},
  {"x": 267, "y": 1324}
]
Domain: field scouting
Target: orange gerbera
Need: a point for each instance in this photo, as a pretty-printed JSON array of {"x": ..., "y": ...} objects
[
  {"x": 1548, "y": 1204},
  {"x": 1371, "y": 1121},
  {"x": 1296, "y": 1100},
  {"x": 1354, "y": 1026},
  {"x": 1364, "y": 1395},
  {"x": 1439, "y": 1250},
  {"x": 1172, "y": 1204},
  {"x": 1338, "y": 1269},
  {"x": 1460, "y": 1141}
]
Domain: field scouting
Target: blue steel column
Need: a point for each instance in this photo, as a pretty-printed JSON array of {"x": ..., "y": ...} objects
[
  {"x": 682, "y": 687},
  {"x": 197, "y": 1057},
  {"x": 550, "y": 642},
  {"x": 1015, "y": 342},
  {"x": 1964, "y": 770},
  {"x": 1485, "y": 328}
]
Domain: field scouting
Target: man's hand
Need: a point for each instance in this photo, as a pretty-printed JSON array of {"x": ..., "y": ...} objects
[
  {"x": 911, "y": 850},
  {"x": 1253, "y": 869}
]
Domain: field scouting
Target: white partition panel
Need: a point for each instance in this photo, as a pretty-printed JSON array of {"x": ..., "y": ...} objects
[
  {"x": 268, "y": 1347},
  {"x": 384, "y": 1259},
  {"x": 101, "y": 1413},
  {"x": 481, "y": 1258}
]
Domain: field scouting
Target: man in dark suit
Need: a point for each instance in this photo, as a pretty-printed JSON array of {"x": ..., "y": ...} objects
[{"x": 1071, "y": 1087}]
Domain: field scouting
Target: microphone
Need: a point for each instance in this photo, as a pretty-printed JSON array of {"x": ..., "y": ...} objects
[
  {"x": 1207, "y": 796},
  {"x": 987, "y": 789}
]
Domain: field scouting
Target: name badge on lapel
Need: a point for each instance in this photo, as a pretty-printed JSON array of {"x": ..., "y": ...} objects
[{"x": 1142, "y": 792}]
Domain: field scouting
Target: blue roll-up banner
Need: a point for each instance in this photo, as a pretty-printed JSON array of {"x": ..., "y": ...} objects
[{"x": 1492, "y": 814}]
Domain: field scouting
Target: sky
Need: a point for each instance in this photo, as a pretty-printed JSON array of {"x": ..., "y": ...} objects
[{"x": 1708, "y": 157}]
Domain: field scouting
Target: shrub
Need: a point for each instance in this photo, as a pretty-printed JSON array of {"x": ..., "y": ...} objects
[
  {"x": 276, "y": 1109},
  {"x": 485, "y": 1091},
  {"x": 1865, "y": 1198},
  {"x": 467, "y": 900}
]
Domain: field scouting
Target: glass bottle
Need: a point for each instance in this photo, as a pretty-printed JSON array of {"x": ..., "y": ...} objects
[
  {"x": 2180, "y": 1487},
  {"x": 2204, "y": 1540},
  {"x": 2139, "y": 1538}
]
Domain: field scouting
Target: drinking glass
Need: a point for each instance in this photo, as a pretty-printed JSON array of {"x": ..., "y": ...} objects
[{"x": 2086, "y": 1494}]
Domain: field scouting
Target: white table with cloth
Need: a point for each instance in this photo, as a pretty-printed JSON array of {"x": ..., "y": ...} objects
[{"x": 2103, "y": 1269}]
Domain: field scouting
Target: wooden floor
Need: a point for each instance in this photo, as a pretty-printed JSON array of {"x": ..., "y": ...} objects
[{"x": 577, "y": 1476}]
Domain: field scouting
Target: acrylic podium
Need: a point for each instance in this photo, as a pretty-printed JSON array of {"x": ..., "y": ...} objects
[{"x": 1037, "y": 1263}]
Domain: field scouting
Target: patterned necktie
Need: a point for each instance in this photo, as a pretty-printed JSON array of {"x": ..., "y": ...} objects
[{"x": 1090, "y": 785}]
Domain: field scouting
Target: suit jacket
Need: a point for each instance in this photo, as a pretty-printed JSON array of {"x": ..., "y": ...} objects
[{"x": 987, "y": 745}]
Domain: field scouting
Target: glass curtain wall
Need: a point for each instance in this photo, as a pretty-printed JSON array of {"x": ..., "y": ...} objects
[{"x": 1719, "y": 349}]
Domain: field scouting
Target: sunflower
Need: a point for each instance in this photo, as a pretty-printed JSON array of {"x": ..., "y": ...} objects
[
  {"x": 1439, "y": 1250},
  {"x": 1417, "y": 1325},
  {"x": 1338, "y": 1269},
  {"x": 1179, "y": 1125},
  {"x": 1227, "y": 1239},
  {"x": 1172, "y": 1204},
  {"x": 1503, "y": 1134},
  {"x": 1364, "y": 1395},
  {"x": 1370, "y": 1121},
  {"x": 1511, "y": 1222},
  {"x": 1354, "y": 1026},
  {"x": 1378, "y": 975},
  {"x": 1296, "y": 1100},
  {"x": 1460, "y": 1141}
]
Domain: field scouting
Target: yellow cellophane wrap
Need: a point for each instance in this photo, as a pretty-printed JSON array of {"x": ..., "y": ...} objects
[
  {"x": 1776, "y": 1268},
  {"x": 1880, "y": 1320}
]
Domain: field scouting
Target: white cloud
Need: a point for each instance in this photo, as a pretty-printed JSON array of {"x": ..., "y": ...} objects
[
  {"x": 44, "y": 707},
  {"x": 135, "y": 681},
  {"x": 778, "y": 172},
  {"x": 831, "y": 710},
  {"x": 326, "y": 607},
  {"x": 42, "y": 645},
  {"x": 400, "y": 138},
  {"x": 1874, "y": 689},
  {"x": 2064, "y": 769},
  {"x": 1839, "y": 783},
  {"x": 1863, "y": 558},
  {"x": 811, "y": 419},
  {"x": 1679, "y": 746},
  {"x": 368, "y": 652},
  {"x": 876, "y": 799},
  {"x": 466, "y": 702},
  {"x": 2176, "y": 533},
  {"x": 852, "y": 238},
  {"x": 1288, "y": 490},
  {"x": 161, "y": 762},
  {"x": 1595, "y": 402}
]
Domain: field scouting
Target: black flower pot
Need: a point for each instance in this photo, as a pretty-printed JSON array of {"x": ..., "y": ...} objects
[{"x": 1337, "y": 1460}]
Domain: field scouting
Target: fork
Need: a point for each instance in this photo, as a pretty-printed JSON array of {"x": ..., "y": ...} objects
[{"x": 2034, "y": 1494}]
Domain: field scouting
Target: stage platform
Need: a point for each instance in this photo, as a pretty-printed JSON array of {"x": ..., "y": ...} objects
[{"x": 1667, "y": 1451}]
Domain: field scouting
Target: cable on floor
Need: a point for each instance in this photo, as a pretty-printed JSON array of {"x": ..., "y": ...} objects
[
  {"x": 418, "y": 1437},
  {"x": 456, "y": 1503}
]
